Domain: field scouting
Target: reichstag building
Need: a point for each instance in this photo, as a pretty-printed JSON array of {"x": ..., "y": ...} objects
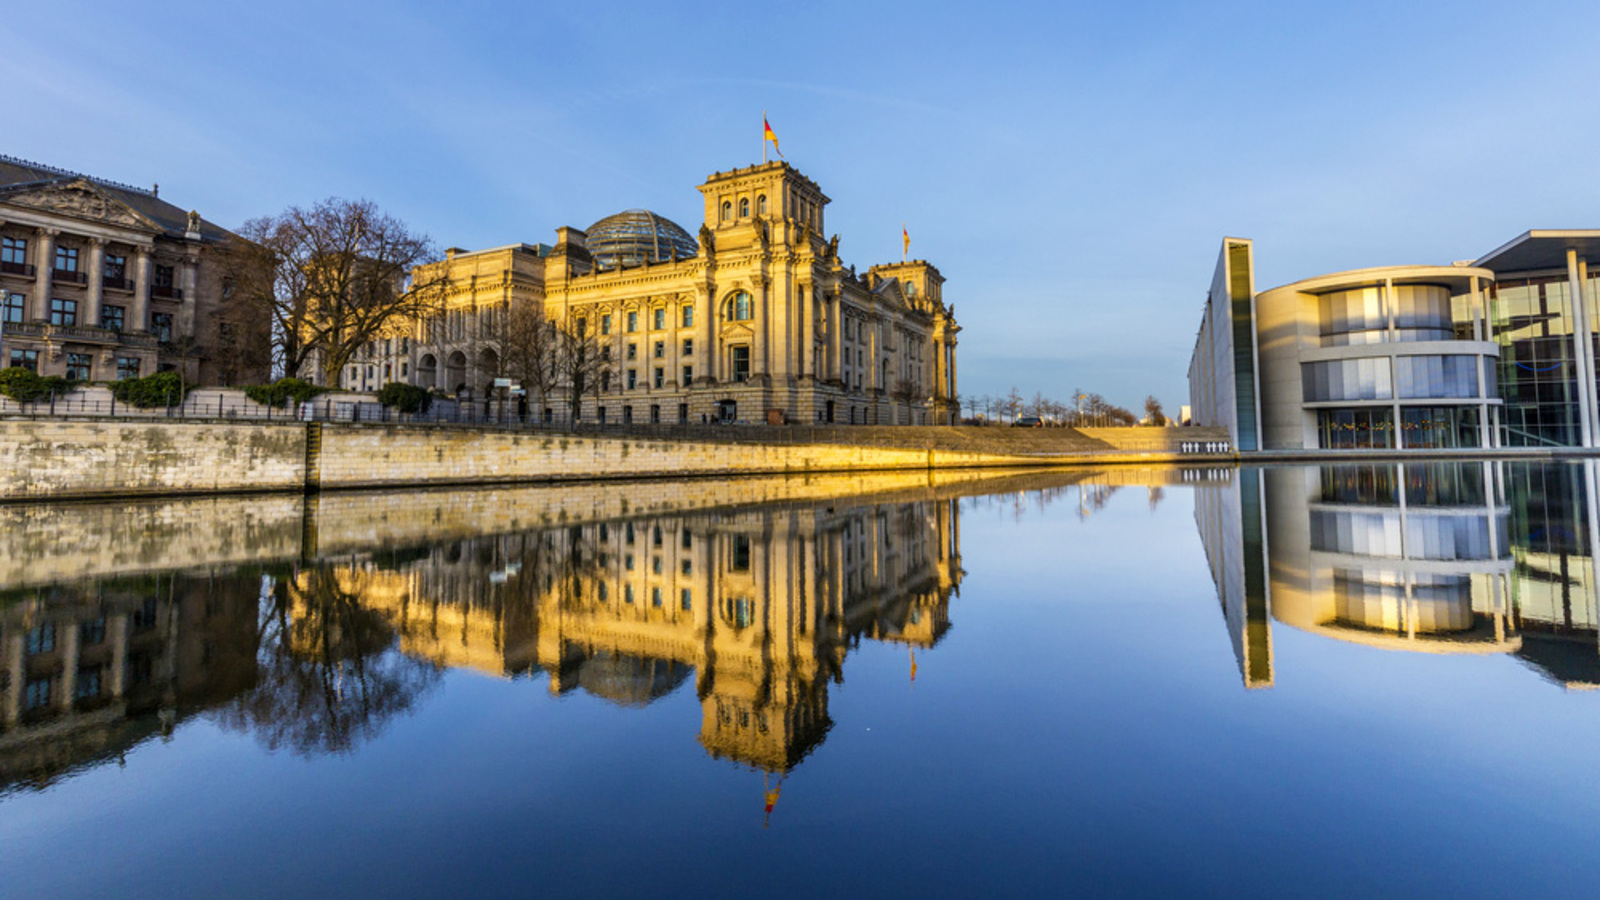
[{"x": 755, "y": 319}]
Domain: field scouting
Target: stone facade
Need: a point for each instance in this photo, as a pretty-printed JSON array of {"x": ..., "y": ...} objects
[
  {"x": 757, "y": 320},
  {"x": 101, "y": 281}
]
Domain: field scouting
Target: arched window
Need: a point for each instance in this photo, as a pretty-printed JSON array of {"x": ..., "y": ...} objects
[
  {"x": 740, "y": 309},
  {"x": 761, "y": 205},
  {"x": 744, "y": 207},
  {"x": 727, "y": 210}
]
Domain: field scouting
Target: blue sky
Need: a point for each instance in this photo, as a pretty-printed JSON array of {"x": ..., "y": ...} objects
[{"x": 1070, "y": 168}]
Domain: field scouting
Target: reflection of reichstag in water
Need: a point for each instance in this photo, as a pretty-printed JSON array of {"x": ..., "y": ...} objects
[
  {"x": 753, "y": 608},
  {"x": 1436, "y": 557}
]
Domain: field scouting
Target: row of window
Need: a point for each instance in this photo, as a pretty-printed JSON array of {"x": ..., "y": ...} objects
[
  {"x": 64, "y": 311},
  {"x": 114, "y": 267},
  {"x": 80, "y": 366},
  {"x": 658, "y": 319}
]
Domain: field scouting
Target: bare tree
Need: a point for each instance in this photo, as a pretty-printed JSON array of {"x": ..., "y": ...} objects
[
  {"x": 579, "y": 365},
  {"x": 1152, "y": 412},
  {"x": 907, "y": 392},
  {"x": 528, "y": 349},
  {"x": 1012, "y": 403},
  {"x": 332, "y": 277}
]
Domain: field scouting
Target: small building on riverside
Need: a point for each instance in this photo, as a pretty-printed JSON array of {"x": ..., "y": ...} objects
[
  {"x": 633, "y": 319},
  {"x": 102, "y": 281},
  {"x": 1473, "y": 354}
]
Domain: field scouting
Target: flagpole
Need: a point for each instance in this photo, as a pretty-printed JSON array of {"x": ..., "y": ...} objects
[{"x": 763, "y": 137}]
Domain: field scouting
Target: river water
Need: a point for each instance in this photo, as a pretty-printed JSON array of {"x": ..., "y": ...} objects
[{"x": 1370, "y": 679}]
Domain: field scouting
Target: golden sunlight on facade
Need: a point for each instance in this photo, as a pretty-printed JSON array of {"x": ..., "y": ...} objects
[
  {"x": 758, "y": 319},
  {"x": 759, "y": 608}
]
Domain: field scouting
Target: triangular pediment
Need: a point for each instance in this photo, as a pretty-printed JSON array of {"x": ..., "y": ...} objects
[{"x": 80, "y": 199}]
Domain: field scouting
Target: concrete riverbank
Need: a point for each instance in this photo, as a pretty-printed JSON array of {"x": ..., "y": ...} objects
[{"x": 48, "y": 459}]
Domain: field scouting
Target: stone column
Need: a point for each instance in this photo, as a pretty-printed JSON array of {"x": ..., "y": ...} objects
[
  {"x": 706, "y": 308},
  {"x": 806, "y": 368},
  {"x": 41, "y": 273},
  {"x": 759, "y": 363},
  {"x": 139, "y": 315},
  {"x": 96, "y": 276},
  {"x": 117, "y": 634},
  {"x": 13, "y": 696},
  {"x": 836, "y": 338},
  {"x": 69, "y": 665},
  {"x": 189, "y": 279}
]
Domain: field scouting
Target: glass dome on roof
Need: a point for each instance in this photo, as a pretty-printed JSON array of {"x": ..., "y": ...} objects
[{"x": 636, "y": 236}]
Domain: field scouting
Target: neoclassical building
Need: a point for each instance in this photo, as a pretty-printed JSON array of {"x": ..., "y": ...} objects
[
  {"x": 758, "y": 319},
  {"x": 101, "y": 281}
]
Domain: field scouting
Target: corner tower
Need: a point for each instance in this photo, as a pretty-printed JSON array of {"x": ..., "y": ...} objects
[{"x": 776, "y": 194}]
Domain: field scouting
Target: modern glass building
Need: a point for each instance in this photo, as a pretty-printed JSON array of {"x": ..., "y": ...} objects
[{"x": 1474, "y": 354}]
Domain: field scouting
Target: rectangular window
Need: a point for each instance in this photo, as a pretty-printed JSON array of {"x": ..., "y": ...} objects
[
  {"x": 627, "y": 593},
  {"x": 25, "y": 359},
  {"x": 633, "y": 379},
  {"x": 688, "y": 316},
  {"x": 740, "y": 356},
  {"x": 41, "y": 639},
  {"x": 687, "y": 543},
  {"x": 687, "y": 567},
  {"x": 14, "y": 252},
  {"x": 655, "y": 596},
  {"x": 605, "y": 324},
  {"x": 112, "y": 317},
  {"x": 163, "y": 277},
  {"x": 633, "y": 351},
  {"x": 92, "y": 632},
  {"x": 161, "y": 326},
  {"x": 685, "y": 600},
  {"x": 688, "y": 376},
  {"x": 66, "y": 259},
  {"x": 688, "y": 347},
  {"x": 580, "y": 326},
  {"x": 660, "y": 377},
  {"x": 660, "y": 314},
  {"x": 13, "y": 310},
  {"x": 88, "y": 684},
  {"x": 78, "y": 366},
  {"x": 683, "y": 413},
  {"x": 63, "y": 312},
  {"x": 38, "y": 693},
  {"x": 116, "y": 267},
  {"x": 633, "y": 322},
  {"x": 127, "y": 367},
  {"x": 661, "y": 349}
]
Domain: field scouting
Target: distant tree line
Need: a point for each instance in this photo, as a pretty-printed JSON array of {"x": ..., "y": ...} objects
[{"x": 1085, "y": 410}]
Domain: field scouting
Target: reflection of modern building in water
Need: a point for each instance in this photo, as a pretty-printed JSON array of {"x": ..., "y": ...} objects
[
  {"x": 1407, "y": 357},
  {"x": 1426, "y": 557},
  {"x": 760, "y": 606}
]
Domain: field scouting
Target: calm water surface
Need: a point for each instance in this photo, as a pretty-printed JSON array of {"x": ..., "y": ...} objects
[{"x": 1287, "y": 681}]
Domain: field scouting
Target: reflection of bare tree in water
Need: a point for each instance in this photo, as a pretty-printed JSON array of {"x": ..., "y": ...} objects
[{"x": 329, "y": 673}]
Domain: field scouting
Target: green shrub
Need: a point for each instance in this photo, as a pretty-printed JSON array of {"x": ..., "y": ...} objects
[
  {"x": 405, "y": 398},
  {"x": 24, "y": 386},
  {"x": 284, "y": 389},
  {"x": 160, "y": 389}
]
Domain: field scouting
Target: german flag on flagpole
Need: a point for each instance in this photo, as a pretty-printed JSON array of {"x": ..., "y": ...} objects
[
  {"x": 905, "y": 242},
  {"x": 767, "y": 135}
]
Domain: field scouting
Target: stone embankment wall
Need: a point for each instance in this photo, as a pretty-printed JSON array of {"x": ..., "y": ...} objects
[
  {"x": 64, "y": 459},
  {"x": 46, "y": 543},
  {"x": 57, "y": 458}
]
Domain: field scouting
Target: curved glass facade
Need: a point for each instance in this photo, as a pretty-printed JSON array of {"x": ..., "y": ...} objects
[
  {"x": 636, "y": 237},
  {"x": 1392, "y": 534},
  {"x": 1357, "y": 316}
]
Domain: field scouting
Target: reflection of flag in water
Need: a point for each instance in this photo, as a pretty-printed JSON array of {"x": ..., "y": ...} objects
[
  {"x": 913, "y": 665},
  {"x": 767, "y": 134},
  {"x": 770, "y": 796}
]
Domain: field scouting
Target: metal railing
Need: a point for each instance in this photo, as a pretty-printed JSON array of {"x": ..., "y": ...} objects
[{"x": 215, "y": 406}]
